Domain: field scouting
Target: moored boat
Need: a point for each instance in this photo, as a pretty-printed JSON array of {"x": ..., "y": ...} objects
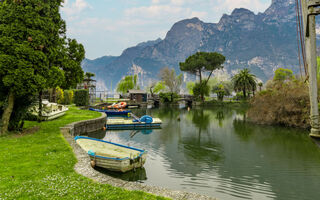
[
  {"x": 112, "y": 156},
  {"x": 112, "y": 112}
]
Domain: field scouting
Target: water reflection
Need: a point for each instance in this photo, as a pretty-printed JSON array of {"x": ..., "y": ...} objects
[
  {"x": 138, "y": 175},
  {"x": 214, "y": 151}
]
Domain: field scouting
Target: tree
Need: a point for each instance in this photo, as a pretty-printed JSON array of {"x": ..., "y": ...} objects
[
  {"x": 34, "y": 54},
  {"x": 127, "y": 83},
  {"x": 73, "y": 72},
  {"x": 201, "y": 89},
  {"x": 260, "y": 84},
  {"x": 190, "y": 86},
  {"x": 156, "y": 87},
  {"x": 202, "y": 62},
  {"x": 244, "y": 81},
  {"x": 26, "y": 38},
  {"x": 89, "y": 75},
  {"x": 222, "y": 89},
  {"x": 171, "y": 80},
  {"x": 282, "y": 74}
]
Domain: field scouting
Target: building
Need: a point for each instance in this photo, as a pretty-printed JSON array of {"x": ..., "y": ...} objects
[{"x": 138, "y": 95}]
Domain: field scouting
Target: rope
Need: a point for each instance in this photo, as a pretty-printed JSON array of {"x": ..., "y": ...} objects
[
  {"x": 298, "y": 42},
  {"x": 301, "y": 33}
]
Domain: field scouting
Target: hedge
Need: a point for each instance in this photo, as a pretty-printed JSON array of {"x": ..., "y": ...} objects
[
  {"x": 68, "y": 97},
  {"x": 81, "y": 97}
]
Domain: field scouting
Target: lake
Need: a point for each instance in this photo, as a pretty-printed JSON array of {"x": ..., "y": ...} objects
[{"x": 216, "y": 152}]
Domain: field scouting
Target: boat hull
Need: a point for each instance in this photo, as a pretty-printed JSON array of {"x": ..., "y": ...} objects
[
  {"x": 112, "y": 112},
  {"x": 112, "y": 156},
  {"x": 124, "y": 124},
  {"x": 119, "y": 165}
]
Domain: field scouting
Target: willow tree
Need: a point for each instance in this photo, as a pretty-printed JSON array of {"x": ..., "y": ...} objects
[
  {"x": 202, "y": 62},
  {"x": 127, "y": 83}
]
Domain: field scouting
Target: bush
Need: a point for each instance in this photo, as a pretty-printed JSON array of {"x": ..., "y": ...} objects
[
  {"x": 68, "y": 97},
  {"x": 239, "y": 96},
  {"x": 81, "y": 97},
  {"x": 201, "y": 89},
  {"x": 59, "y": 95},
  {"x": 285, "y": 104},
  {"x": 168, "y": 97}
]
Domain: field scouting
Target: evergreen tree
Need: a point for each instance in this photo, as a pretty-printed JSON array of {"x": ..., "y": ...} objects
[
  {"x": 34, "y": 54},
  {"x": 202, "y": 62}
]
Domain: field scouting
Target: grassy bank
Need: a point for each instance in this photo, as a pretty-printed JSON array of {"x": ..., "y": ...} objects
[{"x": 39, "y": 165}]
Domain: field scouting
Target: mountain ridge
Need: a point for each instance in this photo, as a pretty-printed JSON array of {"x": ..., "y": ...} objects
[{"x": 262, "y": 42}]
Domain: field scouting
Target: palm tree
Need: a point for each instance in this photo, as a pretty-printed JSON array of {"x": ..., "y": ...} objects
[
  {"x": 244, "y": 81},
  {"x": 260, "y": 85}
]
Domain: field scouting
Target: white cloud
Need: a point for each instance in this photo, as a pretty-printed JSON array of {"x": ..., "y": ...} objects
[
  {"x": 155, "y": 11},
  {"x": 254, "y": 5},
  {"x": 74, "y": 8},
  {"x": 199, "y": 14}
]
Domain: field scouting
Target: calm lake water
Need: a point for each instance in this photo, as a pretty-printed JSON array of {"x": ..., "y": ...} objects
[{"x": 214, "y": 151}]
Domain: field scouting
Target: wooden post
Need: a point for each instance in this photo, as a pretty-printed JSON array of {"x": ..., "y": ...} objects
[{"x": 309, "y": 26}]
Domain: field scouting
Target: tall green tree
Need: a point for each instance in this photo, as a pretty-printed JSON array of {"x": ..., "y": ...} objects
[
  {"x": 71, "y": 66},
  {"x": 33, "y": 51},
  {"x": 244, "y": 81},
  {"x": 25, "y": 31},
  {"x": 201, "y": 62},
  {"x": 127, "y": 83}
]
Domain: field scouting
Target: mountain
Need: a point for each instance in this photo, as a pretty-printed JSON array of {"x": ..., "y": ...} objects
[{"x": 262, "y": 42}]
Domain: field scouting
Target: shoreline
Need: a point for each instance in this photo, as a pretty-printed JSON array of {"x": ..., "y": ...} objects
[{"x": 83, "y": 168}]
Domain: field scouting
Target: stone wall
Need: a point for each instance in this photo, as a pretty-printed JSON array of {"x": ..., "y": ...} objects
[{"x": 85, "y": 126}]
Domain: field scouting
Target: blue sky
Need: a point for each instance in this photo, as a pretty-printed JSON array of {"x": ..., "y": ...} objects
[{"x": 107, "y": 27}]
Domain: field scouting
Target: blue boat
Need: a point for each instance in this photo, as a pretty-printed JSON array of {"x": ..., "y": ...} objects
[
  {"x": 145, "y": 122},
  {"x": 112, "y": 112}
]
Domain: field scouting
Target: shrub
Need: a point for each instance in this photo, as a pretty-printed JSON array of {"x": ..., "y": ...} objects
[
  {"x": 59, "y": 95},
  {"x": 81, "y": 97},
  {"x": 168, "y": 97},
  {"x": 201, "y": 89},
  {"x": 287, "y": 105},
  {"x": 68, "y": 97}
]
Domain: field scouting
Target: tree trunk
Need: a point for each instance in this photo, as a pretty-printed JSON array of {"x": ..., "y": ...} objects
[
  {"x": 151, "y": 92},
  {"x": 209, "y": 76},
  {"x": 7, "y": 113},
  {"x": 244, "y": 93},
  {"x": 201, "y": 94},
  {"x": 40, "y": 107},
  {"x": 171, "y": 97},
  {"x": 54, "y": 98}
]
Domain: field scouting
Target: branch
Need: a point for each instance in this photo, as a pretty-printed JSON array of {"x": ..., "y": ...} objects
[{"x": 209, "y": 76}]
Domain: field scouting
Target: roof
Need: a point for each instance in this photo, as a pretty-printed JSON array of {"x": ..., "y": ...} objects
[{"x": 136, "y": 92}]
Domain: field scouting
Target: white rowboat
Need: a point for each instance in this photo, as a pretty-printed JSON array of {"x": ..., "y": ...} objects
[{"x": 112, "y": 156}]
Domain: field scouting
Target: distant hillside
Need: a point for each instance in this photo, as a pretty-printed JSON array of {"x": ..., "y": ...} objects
[{"x": 262, "y": 42}]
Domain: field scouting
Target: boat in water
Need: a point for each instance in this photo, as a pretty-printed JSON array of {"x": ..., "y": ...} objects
[
  {"x": 144, "y": 122},
  {"x": 112, "y": 112},
  {"x": 112, "y": 156}
]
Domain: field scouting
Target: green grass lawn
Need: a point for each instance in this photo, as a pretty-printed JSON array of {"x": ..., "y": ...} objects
[{"x": 40, "y": 166}]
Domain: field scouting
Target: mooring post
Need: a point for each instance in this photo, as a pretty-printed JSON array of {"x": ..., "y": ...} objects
[{"x": 309, "y": 10}]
